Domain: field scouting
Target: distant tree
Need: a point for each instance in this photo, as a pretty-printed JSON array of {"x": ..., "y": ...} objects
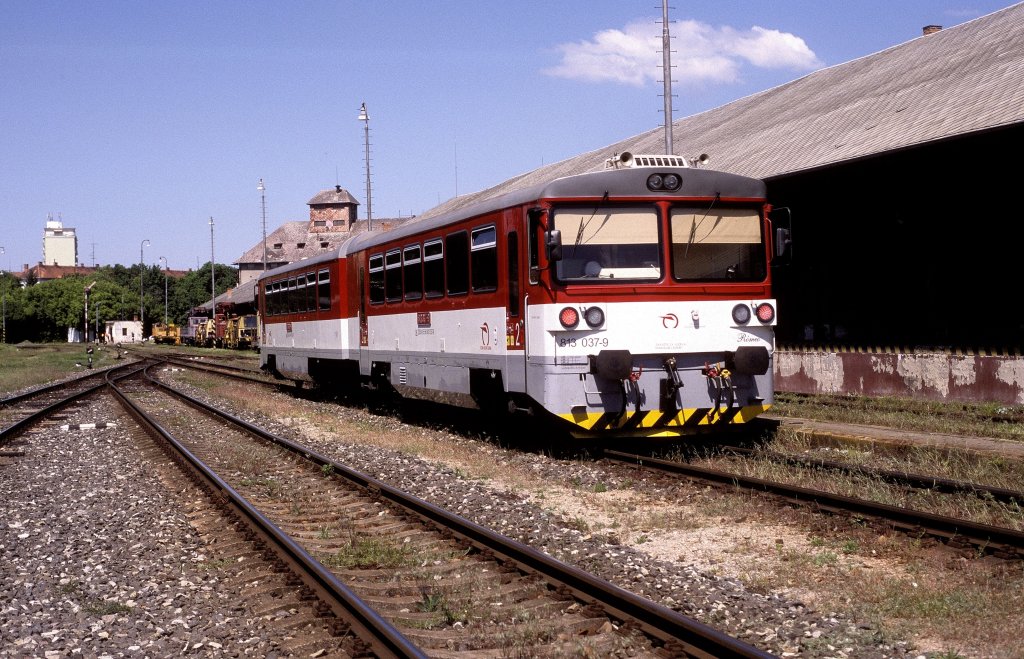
[
  {"x": 12, "y": 298},
  {"x": 54, "y": 306},
  {"x": 194, "y": 288},
  {"x": 44, "y": 311}
]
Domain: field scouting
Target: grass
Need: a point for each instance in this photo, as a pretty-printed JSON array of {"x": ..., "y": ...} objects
[
  {"x": 997, "y": 420},
  {"x": 215, "y": 564},
  {"x": 940, "y": 462},
  {"x": 269, "y": 486},
  {"x": 106, "y": 608},
  {"x": 34, "y": 364},
  {"x": 370, "y": 554},
  {"x": 446, "y": 611}
]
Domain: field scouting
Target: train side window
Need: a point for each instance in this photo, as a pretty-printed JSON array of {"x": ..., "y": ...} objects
[
  {"x": 412, "y": 272},
  {"x": 433, "y": 268},
  {"x": 377, "y": 279},
  {"x": 457, "y": 262},
  {"x": 299, "y": 299},
  {"x": 280, "y": 303},
  {"x": 324, "y": 290},
  {"x": 533, "y": 244},
  {"x": 512, "y": 250},
  {"x": 293, "y": 295},
  {"x": 484, "y": 259},
  {"x": 299, "y": 296},
  {"x": 309, "y": 300},
  {"x": 393, "y": 275}
]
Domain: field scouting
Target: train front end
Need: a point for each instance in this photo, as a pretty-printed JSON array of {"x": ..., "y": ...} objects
[{"x": 656, "y": 317}]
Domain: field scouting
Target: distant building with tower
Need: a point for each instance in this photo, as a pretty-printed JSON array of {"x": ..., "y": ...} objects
[
  {"x": 333, "y": 217},
  {"x": 60, "y": 244}
]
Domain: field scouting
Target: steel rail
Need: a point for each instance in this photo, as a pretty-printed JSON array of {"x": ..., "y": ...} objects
[
  {"x": 365, "y": 623},
  {"x": 1002, "y": 542},
  {"x": 59, "y": 385},
  {"x": 676, "y": 631},
  {"x": 18, "y": 426}
]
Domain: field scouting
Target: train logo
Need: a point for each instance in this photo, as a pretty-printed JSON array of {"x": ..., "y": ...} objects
[
  {"x": 670, "y": 321},
  {"x": 485, "y": 334}
]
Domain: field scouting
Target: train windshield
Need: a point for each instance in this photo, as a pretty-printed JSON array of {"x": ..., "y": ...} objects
[
  {"x": 605, "y": 242},
  {"x": 717, "y": 244}
]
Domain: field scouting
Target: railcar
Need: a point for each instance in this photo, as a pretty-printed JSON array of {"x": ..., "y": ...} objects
[
  {"x": 242, "y": 332},
  {"x": 168, "y": 334},
  {"x": 630, "y": 301},
  {"x": 188, "y": 331},
  {"x": 210, "y": 332}
]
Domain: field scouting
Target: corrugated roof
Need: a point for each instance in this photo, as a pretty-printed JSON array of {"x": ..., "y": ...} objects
[
  {"x": 959, "y": 80},
  {"x": 289, "y": 236}
]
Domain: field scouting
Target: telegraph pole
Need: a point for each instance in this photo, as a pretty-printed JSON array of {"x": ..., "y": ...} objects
[
  {"x": 263, "y": 200},
  {"x": 365, "y": 118},
  {"x": 213, "y": 277}
]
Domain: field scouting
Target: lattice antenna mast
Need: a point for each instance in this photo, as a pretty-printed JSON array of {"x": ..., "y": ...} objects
[
  {"x": 666, "y": 65},
  {"x": 364, "y": 116}
]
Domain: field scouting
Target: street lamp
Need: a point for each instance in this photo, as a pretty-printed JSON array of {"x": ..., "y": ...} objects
[
  {"x": 164, "y": 259},
  {"x": 365, "y": 118},
  {"x": 142, "y": 267},
  {"x": 263, "y": 200}
]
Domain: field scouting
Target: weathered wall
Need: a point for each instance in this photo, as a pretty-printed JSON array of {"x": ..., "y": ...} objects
[{"x": 974, "y": 377}]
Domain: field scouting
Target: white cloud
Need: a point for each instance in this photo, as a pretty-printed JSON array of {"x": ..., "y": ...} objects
[
  {"x": 771, "y": 49},
  {"x": 700, "y": 53}
]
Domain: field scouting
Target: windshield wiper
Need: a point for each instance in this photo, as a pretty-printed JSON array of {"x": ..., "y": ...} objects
[
  {"x": 695, "y": 224},
  {"x": 583, "y": 225}
]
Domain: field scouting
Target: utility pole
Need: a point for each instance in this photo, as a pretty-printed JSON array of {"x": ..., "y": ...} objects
[
  {"x": 213, "y": 278},
  {"x": 3, "y": 282},
  {"x": 666, "y": 64},
  {"x": 365, "y": 118},
  {"x": 142, "y": 290},
  {"x": 164, "y": 259},
  {"x": 263, "y": 200}
]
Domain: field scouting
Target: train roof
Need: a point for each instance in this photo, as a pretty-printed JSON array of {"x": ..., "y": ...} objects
[
  {"x": 325, "y": 257},
  {"x": 623, "y": 182}
]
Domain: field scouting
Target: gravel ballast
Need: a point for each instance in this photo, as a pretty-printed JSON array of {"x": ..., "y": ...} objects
[{"x": 93, "y": 563}]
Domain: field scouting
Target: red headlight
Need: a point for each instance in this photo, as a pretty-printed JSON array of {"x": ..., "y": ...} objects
[
  {"x": 765, "y": 312},
  {"x": 569, "y": 318}
]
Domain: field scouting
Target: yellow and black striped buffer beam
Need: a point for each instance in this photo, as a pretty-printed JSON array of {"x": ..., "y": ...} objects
[{"x": 655, "y": 423}]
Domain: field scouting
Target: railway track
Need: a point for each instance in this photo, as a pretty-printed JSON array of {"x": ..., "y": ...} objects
[
  {"x": 363, "y": 628},
  {"x": 448, "y": 578},
  {"x": 19, "y": 411},
  {"x": 902, "y": 478},
  {"x": 316, "y": 529},
  {"x": 958, "y": 533},
  {"x": 999, "y": 416}
]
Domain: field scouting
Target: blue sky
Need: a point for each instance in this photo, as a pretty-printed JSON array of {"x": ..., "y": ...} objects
[{"x": 134, "y": 121}]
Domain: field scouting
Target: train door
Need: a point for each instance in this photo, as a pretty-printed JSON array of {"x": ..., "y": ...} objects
[
  {"x": 515, "y": 316},
  {"x": 364, "y": 331},
  {"x": 536, "y": 294}
]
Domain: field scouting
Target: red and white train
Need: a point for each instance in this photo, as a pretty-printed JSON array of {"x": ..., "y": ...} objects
[{"x": 630, "y": 301}]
